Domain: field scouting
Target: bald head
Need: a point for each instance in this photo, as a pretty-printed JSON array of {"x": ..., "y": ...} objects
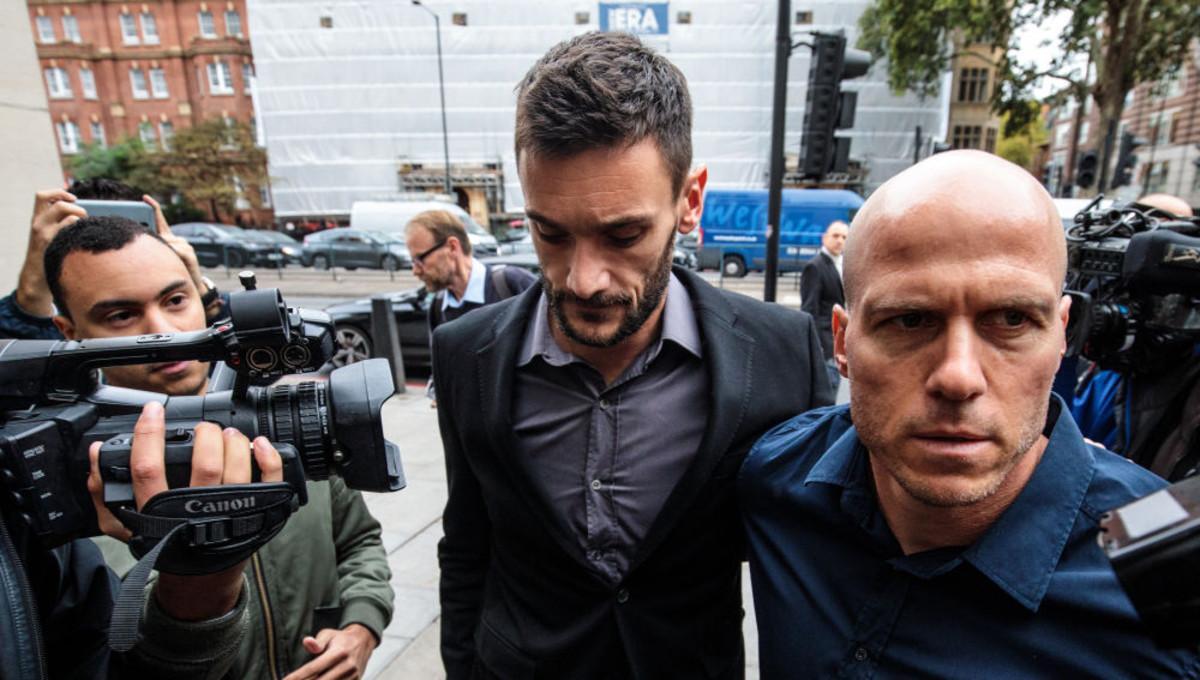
[
  {"x": 1172, "y": 204},
  {"x": 954, "y": 202}
]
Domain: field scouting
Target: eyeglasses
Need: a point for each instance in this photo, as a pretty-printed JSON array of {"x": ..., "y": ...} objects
[{"x": 420, "y": 258}]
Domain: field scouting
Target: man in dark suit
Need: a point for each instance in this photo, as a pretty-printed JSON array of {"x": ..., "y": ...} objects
[
  {"x": 821, "y": 290},
  {"x": 593, "y": 427}
]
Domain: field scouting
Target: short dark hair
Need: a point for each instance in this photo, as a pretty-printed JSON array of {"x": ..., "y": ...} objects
[
  {"x": 601, "y": 90},
  {"x": 100, "y": 189},
  {"x": 91, "y": 234},
  {"x": 442, "y": 224}
]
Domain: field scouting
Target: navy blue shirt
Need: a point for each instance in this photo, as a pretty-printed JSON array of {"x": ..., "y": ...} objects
[{"x": 1033, "y": 597}]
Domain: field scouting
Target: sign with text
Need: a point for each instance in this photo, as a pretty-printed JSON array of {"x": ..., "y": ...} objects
[{"x": 639, "y": 18}]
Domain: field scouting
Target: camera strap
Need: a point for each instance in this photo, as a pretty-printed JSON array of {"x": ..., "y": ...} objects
[{"x": 192, "y": 531}]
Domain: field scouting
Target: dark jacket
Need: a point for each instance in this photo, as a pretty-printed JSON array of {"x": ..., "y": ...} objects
[
  {"x": 513, "y": 280},
  {"x": 820, "y": 290},
  {"x": 18, "y": 324},
  {"x": 519, "y": 599},
  {"x": 55, "y": 608}
]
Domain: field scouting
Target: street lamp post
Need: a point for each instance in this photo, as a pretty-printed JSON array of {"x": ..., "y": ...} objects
[{"x": 437, "y": 25}]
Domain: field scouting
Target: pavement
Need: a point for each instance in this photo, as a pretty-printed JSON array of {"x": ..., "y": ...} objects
[{"x": 412, "y": 524}]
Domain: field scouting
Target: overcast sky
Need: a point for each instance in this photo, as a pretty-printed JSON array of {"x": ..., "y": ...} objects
[{"x": 1038, "y": 44}]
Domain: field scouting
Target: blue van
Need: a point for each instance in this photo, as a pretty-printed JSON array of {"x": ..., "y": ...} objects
[{"x": 733, "y": 227}]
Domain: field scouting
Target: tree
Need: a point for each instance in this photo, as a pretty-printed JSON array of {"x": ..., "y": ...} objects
[
  {"x": 127, "y": 162},
  {"x": 1021, "y": 145},
  {"x": 1126, "y": 41},
  {"x": 211, "y": 163}
]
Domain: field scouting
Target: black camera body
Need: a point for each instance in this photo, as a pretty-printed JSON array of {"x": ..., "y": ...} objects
[
  {"x": 1134, "y": 279},
  {"x": 53, "y": 409}
]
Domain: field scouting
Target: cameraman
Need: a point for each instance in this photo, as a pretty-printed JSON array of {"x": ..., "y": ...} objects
[
  {"x": 26, "y": 313},
  {"x": 320, "y": 588},
  {"x": 55, "y": 605},
  {"x": 1148, "y": 411}
]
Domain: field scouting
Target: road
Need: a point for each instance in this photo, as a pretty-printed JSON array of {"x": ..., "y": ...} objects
[{"x": 310, "y": 287}]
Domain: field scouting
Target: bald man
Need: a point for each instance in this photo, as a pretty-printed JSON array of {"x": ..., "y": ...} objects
[
  {"x": 1167, "y": 203},
  {"x": 944, "y": 523}
]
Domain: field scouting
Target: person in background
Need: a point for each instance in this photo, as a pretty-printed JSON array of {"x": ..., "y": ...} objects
[{"x": 821, "y": 290}]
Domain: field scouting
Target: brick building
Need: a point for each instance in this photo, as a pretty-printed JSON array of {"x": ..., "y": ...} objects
[{"x": 120, "y": 69}]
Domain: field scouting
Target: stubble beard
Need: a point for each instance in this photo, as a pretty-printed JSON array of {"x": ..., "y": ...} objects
[
  {"x": 870, "y": 432},
  {"x": 654, "y": 288}
]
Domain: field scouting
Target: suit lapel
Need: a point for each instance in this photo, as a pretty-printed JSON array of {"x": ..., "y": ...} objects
[
  {"x": 495, "y": 373},
  {"x": 728, "y": 357}
]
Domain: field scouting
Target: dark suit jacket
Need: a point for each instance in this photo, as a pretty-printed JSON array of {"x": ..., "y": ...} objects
[
  {"x": 820, "y": 290},
  {"x": 518, "y": 597}
]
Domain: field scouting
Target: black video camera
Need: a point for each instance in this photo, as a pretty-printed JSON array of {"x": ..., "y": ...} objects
[
  {"x": 1134, "y": 278},
  {"x": 52, "y": 409}
]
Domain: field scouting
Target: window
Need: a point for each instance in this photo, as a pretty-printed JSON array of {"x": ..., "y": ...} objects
[
  {"x": 1062, "y": 134},
  {"x": 98, "y": 137},
  {"x": 247, "y": 76},
  {"x": 87, "y": 83},
  {"x": 68, "y": 136},
  {"x": 166, "y": 130},
  {"x": 967, "y": 137},
  {"x": 149, "y": 29},
  {"x": 146, "y": 134},
  {"x": 158, "y": 83},
  {"x": 1160, "y": 134},
  {"x": 990, "y": 145},
  {"x": 264, "y": 196},
  {"x": 683, "y": 18},
  {"x": 58, "y": 83},
  {"x": 972, "y": 85},
  {"x": 1173, "y": 137},
  {"x": 71, "y": 29},
  {"x": 208, "y": 29},
  {"x": 1084, "y": 129},
  {"x": 582, "y": 18},
  {"x": 233, "y": 24},
  {"x": 220, "y": 79},
  {"x": 804, "y": 17},
  {"x": 1156, "y": 179},
  {"x": 326, "y": 22},
  {"x": 459, "y": 18},
  {"x": 137, "y": 82},
  {"x": 45, "y": 29},
  {"x": 129, "y": 32}
]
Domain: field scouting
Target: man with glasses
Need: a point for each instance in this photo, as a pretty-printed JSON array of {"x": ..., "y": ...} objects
[{"x": 441, "y": 256}]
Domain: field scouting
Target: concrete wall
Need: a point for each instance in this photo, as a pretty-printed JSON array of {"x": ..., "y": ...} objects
[{"x": 29, "y": 160}]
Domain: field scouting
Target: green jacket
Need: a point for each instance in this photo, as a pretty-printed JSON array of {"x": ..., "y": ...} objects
[{"x": 310, "y": 583}]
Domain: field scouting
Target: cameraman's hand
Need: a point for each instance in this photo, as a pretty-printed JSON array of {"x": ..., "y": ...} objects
[
  {"x": 218, "y": 457},
  {"x": 341, "y": 654},
  {"x": 182, "y": 248},
  {"x": 52, "y": 210}
]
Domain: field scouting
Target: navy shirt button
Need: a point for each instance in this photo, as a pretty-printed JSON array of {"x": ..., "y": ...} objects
[
  {"x": 861, "y": 654},
  {"x": 622, "y": 596}
]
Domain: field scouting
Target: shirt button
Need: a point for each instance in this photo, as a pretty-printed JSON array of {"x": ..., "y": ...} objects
[
  {"x": 603, "y": 404},
  {"x": 861, "y": 654},
  {"x": 595, "y": 485},
  {"x": 622, "y": 596}
]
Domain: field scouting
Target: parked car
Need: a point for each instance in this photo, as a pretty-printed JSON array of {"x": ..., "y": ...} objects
[
  {"x": 223, "y": 244},
  {"x": 354, "y": 248},
  {"x": 288, "y": 247},
  {"x": 392, "y": 216},
  {"x": 352, "y": 321},
  {"x": 733, "y": 228}
]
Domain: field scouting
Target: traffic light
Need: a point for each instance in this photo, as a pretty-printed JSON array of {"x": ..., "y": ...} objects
[
  {"x": 1085, "y": 169},
  {"x": 827, "y": 108},
  {"x": 1126, "y": 159}
]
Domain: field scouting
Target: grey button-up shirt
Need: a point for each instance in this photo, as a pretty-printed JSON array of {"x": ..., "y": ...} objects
[{"x": 606, "y": 458}]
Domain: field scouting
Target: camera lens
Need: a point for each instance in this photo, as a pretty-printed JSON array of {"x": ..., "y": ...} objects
[{"x": 298, "y": 413}]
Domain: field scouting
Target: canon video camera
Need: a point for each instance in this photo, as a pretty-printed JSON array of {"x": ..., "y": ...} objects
[{"x": 52, "y": 408}]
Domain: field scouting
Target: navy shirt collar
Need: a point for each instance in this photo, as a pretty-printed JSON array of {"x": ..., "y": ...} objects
[{"x": 1020, "y": 551}]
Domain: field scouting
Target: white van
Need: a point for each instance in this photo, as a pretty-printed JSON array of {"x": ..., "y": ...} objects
[{"x": 392, "y": 216}]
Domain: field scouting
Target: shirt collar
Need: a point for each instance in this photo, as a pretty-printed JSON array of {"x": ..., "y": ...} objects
[
  {"x": 679, "y": 326},
  {"x": 837, "y": 259},
  {"x": 475, "y": 288},
  {"x": 1020, "y": 551}
]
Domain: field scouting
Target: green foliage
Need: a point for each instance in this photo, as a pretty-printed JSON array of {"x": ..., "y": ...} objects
[
  {"x": 205, "y": 158},
  {"x": 1020, "y": 144},
  {"x": 127, "y": 162},
  {"x": 199, "y": 168},
  {"x": 1127, "y": 42}
]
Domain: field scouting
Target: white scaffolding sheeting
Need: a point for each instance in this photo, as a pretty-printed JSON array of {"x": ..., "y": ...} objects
[{"x": 343, "y": 107}]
